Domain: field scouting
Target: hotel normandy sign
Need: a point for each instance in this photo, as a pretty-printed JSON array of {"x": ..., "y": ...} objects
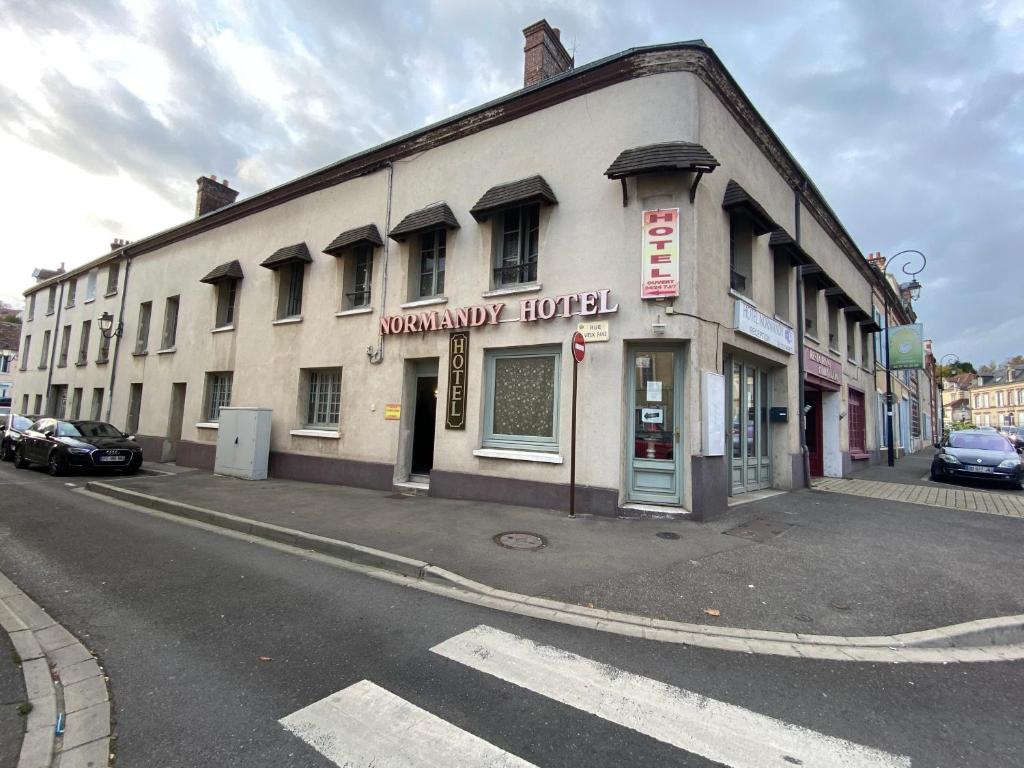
[
  {"x": 763, "y": 328},
  {"x": 583, "y": 304}
]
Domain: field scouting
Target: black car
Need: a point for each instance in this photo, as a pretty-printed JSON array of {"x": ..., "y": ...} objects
[
  {"x": 11, "y": 433},
  {"x": 980, "y": 455},
  {"x": 64, "y": 445}
]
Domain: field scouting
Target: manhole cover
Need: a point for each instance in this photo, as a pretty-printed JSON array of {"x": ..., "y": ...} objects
[
  {"x": 758, "y": 529},
  {"x": 520, "y": 540},
  {"x": 666, "y": 535}
]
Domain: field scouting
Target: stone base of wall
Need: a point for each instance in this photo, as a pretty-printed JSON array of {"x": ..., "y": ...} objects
[
  {"x": 710, "y": 486},
  {"x": 152, "y": 447},
  {"x": 799, "y": 475},
  {"x": 199, "y": 455},
  {"x": 321, "y": 469},
  {"x": 528, "y": 493}
]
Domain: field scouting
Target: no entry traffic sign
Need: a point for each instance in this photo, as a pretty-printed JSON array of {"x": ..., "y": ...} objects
[{"x": 579, "y": 347}]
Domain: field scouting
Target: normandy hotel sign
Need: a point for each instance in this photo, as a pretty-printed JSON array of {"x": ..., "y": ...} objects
[
  {"x": 584, "y": 304},
  {"x": 762, "y": 327}
]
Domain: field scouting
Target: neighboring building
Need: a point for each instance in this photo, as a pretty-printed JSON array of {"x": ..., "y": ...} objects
[
  {"x": 10, "y": 338},
  {"x": 997, "y": 400},
  {"x": 406, "y": 312},
  {"x": 956, "y": 398}
]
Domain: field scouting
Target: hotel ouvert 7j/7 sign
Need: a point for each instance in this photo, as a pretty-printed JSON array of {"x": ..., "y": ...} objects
[{"x": 660, "y": 256}]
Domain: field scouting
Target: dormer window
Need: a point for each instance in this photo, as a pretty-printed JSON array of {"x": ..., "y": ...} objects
[
  {"x": 427, "y": 232},
  {"x": 354, "y": 249}
]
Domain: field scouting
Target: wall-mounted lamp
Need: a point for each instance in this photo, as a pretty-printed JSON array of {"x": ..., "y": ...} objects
[{"x": 107, "y": 326}]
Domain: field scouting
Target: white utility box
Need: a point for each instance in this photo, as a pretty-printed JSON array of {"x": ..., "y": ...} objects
[{"x": 243, "y": 442}]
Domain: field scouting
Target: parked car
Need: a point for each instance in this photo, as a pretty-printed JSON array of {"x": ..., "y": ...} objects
[
  {"x": 10, "y": 433},
  {"x": 64, "y": 445},
  {"x": 1015, "y": 435},
  {"x": 978, "y": 454}
]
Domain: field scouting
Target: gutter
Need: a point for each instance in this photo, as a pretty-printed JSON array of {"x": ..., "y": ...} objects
[{"x": 801, "y": 373}]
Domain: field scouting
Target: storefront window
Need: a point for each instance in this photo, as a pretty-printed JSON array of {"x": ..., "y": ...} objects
[{"x": 522, "y": 400}]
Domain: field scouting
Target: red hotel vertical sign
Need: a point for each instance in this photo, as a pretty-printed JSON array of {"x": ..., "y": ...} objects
[{"x": 660, "y": 277}]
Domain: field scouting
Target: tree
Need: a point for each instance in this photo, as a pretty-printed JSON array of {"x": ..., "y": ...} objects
[{"x": 8, "y": 313}]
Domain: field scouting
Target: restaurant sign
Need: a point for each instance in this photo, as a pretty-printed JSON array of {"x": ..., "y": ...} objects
[
  {"x": 762, "y": 327},
  {"x": 822, "y": 369},
  {"x": 585, "y": 304},
  {"x": 660, "y": 254}
]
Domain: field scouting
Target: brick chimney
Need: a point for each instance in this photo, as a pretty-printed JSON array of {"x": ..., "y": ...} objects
[
  {"x": 213, "y": 194},
  {"x": 545, "y": 54},
  {"x": 116, "y": 243},
  {"x": 877, "y": 260}
]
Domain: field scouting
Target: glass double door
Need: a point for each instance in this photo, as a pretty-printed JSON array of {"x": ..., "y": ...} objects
[{"x": 750, "y": 448}]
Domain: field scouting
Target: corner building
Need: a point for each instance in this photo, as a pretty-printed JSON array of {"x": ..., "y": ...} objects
[{"x": 407, "y": 312}]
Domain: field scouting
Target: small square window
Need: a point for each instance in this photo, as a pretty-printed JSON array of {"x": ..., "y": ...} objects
[
  {"x": 218, "y": 393},
  {"x": 322, "y": 396},
  {"x": 522, "y": 391}
]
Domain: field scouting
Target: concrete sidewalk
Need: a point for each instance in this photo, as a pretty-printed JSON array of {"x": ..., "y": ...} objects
[{"x": 807, "y": 561}]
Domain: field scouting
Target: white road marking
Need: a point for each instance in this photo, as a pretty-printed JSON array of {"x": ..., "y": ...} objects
[
  {"x": 720, "y": 732},
  {"x": 365, "y": 726}
]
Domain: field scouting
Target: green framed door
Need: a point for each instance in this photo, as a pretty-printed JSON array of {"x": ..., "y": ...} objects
[
  {"x": 654, "y": 459},
  {"x": 750, "y": 448}
]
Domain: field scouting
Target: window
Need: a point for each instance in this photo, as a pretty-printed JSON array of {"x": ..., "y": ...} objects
[
  {"x": 5, "y": 363},
  {"x": 741, "y": 247},
  {"x": 38, "y": 405},
  {"x": 142, "y": 339},
  {"x": 323, "y": 397},
  {"x": 45, "y": 350},
  {"x": 289, "y": 290},
  {"x": 358, "y": 278},
  {"x": 51, "y": 299},
  {"x": 522, "y": 399},
  {"x": 96, "y": 411},
  {"x": 851, "y": 338},
  {"x": 783, "y": 279},
  {"x": 90, "y": 286},
  {"x": 865, "y": 348},
  {"x": 113, "y": 272},
  {"x": 218, "y": 393},
  {"x": 58, "y": 401},
  {"x": 24, "y": 403},
  {"x": 104, "y": 354},
  {"x": 76, "y": 404},
  {"x": 226, "y": 293},
  {"x": 515, "y": 254},
  {"x": 431, "y": 263},
  {"x": 811, "y": 308},
  {"x": 24, "y": 353},
  {"x": 134, "y": 409},
  {"x": 31, "y": 306},
  {"x": 833, "y": 324},
  {"x": 83, "y": 343},
  {"x": 65, "y": 343},
  {"x": 170, "y": 333},
  {"x": 72, "y": 290}
]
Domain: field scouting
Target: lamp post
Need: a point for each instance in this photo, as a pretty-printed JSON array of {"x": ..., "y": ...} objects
[
  {"x": 914, "y": 289},
  {"x": 106, "y": 323},
  {"x": 942, "y": 390}
]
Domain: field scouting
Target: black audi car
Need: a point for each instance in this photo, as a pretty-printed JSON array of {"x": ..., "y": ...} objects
[
  {"x": 980, "y": 455},
  {"x": 64, "y": 445},
  {"x": 11, "y": 431}
]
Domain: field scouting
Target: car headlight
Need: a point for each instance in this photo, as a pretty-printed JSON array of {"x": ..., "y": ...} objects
[
  {"x": 1009, "y": 464},
  {"x": 949, "y": 459},
  {"x": 80, "y": 450}
]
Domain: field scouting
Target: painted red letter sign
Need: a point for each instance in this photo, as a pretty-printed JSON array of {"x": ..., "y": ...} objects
[
  {"x": 579, "y": 347},
  {"x": 660, "y": 276}
]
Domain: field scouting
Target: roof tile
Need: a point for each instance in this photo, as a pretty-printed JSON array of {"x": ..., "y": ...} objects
[
  {"x": 529, "y": 190},
  {"x": 367, "y": 233},
  {"x": 668, "y": 156},
  {"x": 738, "y": 199},
  {"x": 435, "y": 216},
  {"x": 287, "y": 255},
  {"x": 231, "y": 270}
]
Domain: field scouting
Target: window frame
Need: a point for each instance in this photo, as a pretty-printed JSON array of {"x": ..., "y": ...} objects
[
  {"x": 90, "y": 285},
  {"x": 45, "y": 351},
  {"x": 169, "y": 334},
  {"x": 286, "y": 292},
  {"x": 113, "y": 276},
  {"x": 215, "y": 394},
  {"x": 741, "y": 281},
  {"x": 357, "y": 294},
  {"x": 51, "y": 300},
  {"x": 72, "y": 293},
  {"x": 26, "y": 352},
  {"x": 438, "y": 251},
  {"x": 310, "y": 408},
  {"x": 227, "y": 304},
  {"x": 65, "y": 346},
  {"x": 490, "y": 439},
  {"x": 142, "y": 332},
  {"x": 83, "y": 342},
  {"x": 96, "y": 404},
  {"x": 527, "y": 249}
]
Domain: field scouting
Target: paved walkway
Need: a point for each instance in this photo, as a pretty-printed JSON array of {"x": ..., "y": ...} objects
[{"x": 938, "y": 496}]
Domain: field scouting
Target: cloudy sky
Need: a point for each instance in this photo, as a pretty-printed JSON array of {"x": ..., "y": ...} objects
[{"x": 908, "y": 115}]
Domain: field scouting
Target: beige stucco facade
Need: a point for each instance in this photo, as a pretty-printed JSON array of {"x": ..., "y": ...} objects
[{"x": 588, "y": 241}]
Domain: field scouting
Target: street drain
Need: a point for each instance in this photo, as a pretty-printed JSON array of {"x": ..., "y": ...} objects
[
  {"x": 759, "y": 530},
  {"x": 666, "y": 535},
  {"x": 520, "y": 540}
]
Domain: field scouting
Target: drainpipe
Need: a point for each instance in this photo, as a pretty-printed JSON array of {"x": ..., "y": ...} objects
[
  {"x": 377, "y": 355},
  {"x": 804, "y": 454},
  {"x": 53, "y": 346},
  {"x": 117, "y": 338}
]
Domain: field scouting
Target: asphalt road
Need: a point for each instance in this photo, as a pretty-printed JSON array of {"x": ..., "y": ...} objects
[{"x": 209, "y": 641}]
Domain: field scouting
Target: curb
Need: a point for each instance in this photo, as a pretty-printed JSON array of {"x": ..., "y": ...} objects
[
  {"x": 62, "y": 680},
  {"x": 995, "y": 639}
]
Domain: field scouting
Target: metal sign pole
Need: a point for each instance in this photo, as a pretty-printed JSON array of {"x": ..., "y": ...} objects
[{"x": 572, "y": 449}]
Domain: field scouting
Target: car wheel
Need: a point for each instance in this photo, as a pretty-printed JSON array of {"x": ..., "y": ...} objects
[
  {"x": 55, "y": 464},
  {"x": 19, "y": 458},
  {"x": 6, "y": 454},
  {"x": 936, "y": 476},
  {"x": 130, "y": 470}
]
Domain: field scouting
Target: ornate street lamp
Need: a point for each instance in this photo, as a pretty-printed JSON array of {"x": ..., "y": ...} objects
[
  {"x": 107, "y": 326},
  {"x": 913, "y": 288}
]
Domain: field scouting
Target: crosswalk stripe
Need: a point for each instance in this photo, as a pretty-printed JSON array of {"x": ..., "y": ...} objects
[
  {"x": 721, "y": 732},
  {"x": 366, "y": 726}
]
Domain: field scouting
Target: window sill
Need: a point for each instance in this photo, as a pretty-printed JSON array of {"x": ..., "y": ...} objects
[
  {"x": 288, "y": 320},
  {"x": 742, "y": 297},
  {"x": 207, "y": 425},
  {"x": 104, "y": 361},
  {"x": 324, "y": 433},
  {"x": 504, "y": 453},
  {"x": 109, "y": 294},
  {"x": 222, "y": 329},
  {"x": 49, "y": 314},
  {"x": 140, "y": 353},
  {"x": 811, "y": 337},
  {"x": 513, "y": 290},
  {"x": 783, "y": 320},
  {"x": 167, "y": 351},
  {"x": 42, "y": 367},
  {"x": 89, "y": 301},
  {"x": 429, "y": 301},
  {"x": 356, "y": 311},
  {"x": 81, "y": 364},
  {"x": 62, "y": 365},
  {"x": 834, "y": 351},
  {"x": 852, "y": 361}
]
